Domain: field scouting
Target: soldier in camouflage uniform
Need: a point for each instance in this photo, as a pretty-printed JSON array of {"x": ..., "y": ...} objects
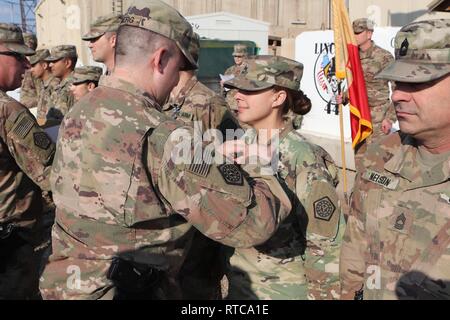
[
  {"x": 26, "y": 153},
  {"x": 373, "y": 60},
  {"x": 31, "y": 85},
  {"x": 193, "y": 103},
  {"x": 126, "y": 204},
  {"x": 85, "y": 80},
  {"x": 40, "y": 69},
  {"x": 301, "y": 260},
  {"x": 239, "y": 68},
  {"x": 102, "y": 39},
  {"x": 62, "y": 62},
  {"x": 397, "y": 242}
]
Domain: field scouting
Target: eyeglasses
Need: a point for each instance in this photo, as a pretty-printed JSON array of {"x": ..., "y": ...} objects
[{"x": 20, "y": 57}]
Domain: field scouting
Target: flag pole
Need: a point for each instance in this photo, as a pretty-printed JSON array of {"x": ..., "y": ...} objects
[
  {"x": 340, "y": 73},
  {"x": 344, "y": 162}
]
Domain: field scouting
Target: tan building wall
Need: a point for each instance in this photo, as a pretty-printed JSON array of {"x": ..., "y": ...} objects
[
  {"x": 388, "y": 12},
  {"x": 63, "y": 22}
]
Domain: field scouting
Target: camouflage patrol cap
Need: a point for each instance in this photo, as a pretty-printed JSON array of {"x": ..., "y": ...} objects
[
  {"x": 87, "y": 74},
  {"x": 11, "y": 37},
  {"x": 194, "y": 47},
  {"x": 103, "y": 24},
  {"x": 30, "y": 40},
  {"x": 422, "y": 52},
  {"x": 63, "y": 51},
  {"x": 40, "y": 55},
  {"x": 159, "y": 17},
  {"x": 240, "y": 50},
  {"x": 363, "y": 24},
  {"x": 264, "y": 72}
]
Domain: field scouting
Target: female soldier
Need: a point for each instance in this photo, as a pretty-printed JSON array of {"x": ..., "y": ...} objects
[{"x": 301, "y": 260}]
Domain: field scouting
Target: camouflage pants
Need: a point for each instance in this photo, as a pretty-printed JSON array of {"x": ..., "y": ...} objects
[
  {"x": 253, "y": 275},
  {"x": 20, "y": 265}
]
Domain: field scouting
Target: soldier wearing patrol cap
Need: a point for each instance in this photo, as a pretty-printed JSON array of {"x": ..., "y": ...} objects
[
  {"x": 40, "y": 69},
  {"x": 85, "y": 80},
  {"x": 301, "y": 260},
  {"x": 26, "y": 153},
  {"x": 31, "y": 86},
  {"x": 62, "y": 61},
  {"x": 102, "y": 39},
  {"x": 373, "y": 60},
  {"x": 126, "y": 203},
  {"x": 397, "y": 242},
  {"x": 239, "y": 68}
]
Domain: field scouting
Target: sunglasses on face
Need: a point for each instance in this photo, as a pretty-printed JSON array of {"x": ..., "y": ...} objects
[{"x": 20, "y": 57}]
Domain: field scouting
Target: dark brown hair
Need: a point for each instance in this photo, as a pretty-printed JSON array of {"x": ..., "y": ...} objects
[{"x": 296, "y": 101}]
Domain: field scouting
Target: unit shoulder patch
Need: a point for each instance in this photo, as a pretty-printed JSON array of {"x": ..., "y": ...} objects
[
  {"x": 231, "y": 174},
  {"x": 324, "y": 209}
]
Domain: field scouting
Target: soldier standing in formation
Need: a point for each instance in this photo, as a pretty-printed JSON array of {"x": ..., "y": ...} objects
[
  {"x": 85, "y": 80},
  {"x": 102, "y": 39},
  {"x": 239, "y": 68},
  {"x": 26, "y": 153},
  {"x": 40, "y": 69},
  {"x": 62, "y": 62},
  {"x": 373, "y": 60},
  {"x": 300, "y": 261},
  {"x": 31, "y": 86},
  {"x": 118, "y": 182},
  {"x": 396, "y": 245}
]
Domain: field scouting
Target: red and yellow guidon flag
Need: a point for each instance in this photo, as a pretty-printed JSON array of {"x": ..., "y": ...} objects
[{"x": 348, "y": 65}]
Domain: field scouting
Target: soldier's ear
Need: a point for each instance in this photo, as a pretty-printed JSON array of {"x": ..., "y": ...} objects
[
  {"x": 113, "y": 40},
  {"x": 278, "y": 99}
]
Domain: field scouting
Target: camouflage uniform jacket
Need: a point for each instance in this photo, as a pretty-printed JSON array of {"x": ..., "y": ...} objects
[
  {"x": 116, "y": 188},
  {"x": 30, "y": 90},
  {"x": 398, "y": 234},
  {"x": 26, "y": 153},
  {"x": 291, "y": 265},
  {"x": 44, "y": 99},
  {"x": 196, "y": 105},
  {"x": 237, "y": 70},
  {"x": 196, "y": 102},
  {"x": 373, "y": 61},
  {"x": 61, "y": 99}
]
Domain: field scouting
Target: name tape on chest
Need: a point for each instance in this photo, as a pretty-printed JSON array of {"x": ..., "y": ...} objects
[{"x": 390, "y": 183}]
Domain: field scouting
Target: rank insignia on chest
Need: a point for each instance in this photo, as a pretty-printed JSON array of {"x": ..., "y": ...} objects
[
  {"x": 231, "y": 174},
  {"x": 324, "y": 209},
  {"x": 42, "y": 140},
  {"x": 390, "y": 183},
  {"x": 400, "y": 222}
]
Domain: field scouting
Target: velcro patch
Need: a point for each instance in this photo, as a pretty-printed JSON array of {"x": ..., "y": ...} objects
[
  {"x": 231, "y": 174},
  {"x": 445, "y": 197},
  {"x": 23, "y": 127},
  {"x": 324, "y": 209},
  {"x": 382, "y": 180},
  {"x": 42, "y": 140}
]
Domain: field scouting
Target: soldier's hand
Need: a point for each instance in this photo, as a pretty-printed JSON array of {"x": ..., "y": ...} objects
[{"x": 386, "y": 126}]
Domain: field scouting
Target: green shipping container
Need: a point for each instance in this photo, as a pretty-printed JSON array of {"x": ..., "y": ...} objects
[{"x": 215, "y": 57}]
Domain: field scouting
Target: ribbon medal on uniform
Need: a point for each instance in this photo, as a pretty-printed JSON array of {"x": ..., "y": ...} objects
[
  {"x": 231, "y": 174},
  {"x": 324, "y": 209},
  {"x": 42, "y": 140}
]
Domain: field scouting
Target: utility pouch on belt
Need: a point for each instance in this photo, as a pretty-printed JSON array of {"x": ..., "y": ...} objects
[{"x": 132, "y": 279}]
